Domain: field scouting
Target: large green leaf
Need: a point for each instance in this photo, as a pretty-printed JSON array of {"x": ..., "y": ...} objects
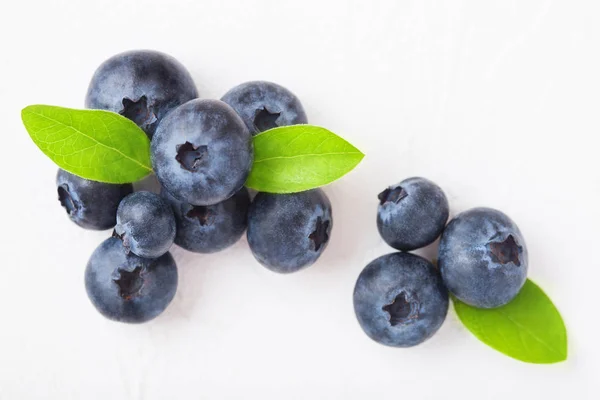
[
  {"x": 529, "y": 328},
  {"x": 93, "y": 144},
  {"x": 295, "y": 158}
]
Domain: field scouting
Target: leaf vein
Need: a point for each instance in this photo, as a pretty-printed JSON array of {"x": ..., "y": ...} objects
[
  {"x": 94, "y": 139},
  {"x": 307, "y": 155}
]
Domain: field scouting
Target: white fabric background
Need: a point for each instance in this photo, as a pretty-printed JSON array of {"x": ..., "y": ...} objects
[{"x": 496, "y": 101}]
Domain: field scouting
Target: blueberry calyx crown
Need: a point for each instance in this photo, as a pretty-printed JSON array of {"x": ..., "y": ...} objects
[
  {"x": 130, "y": 283},
  {"x": 190, "y": 156},
  {"x": 320, "y": 236},
  {"x": 392, "y": 195},
  {"x": 506, "y": 251},
  {"x": 265, "y": 119},
  {"x": 69, "y": 204},
  {"x": 404, "y": 308},
  {"x": 138, "y": 111},
  {"x": 201, "y": 213},
  {"x": 121, "y": 237}
]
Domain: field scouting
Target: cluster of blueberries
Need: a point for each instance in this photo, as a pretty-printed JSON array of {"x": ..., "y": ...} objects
[
  {"x": 202, "y": 153},
  {"x": 401, "y": 299}
]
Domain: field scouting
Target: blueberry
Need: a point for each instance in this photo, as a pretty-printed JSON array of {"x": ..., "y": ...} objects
[
  {"x": 142, "y": 86},
  {"x": 400, "y": 300},
  {"x": 265, "y": 105},
  {"x": 412, "y": 214},
  {"x": 202, "y": 152},
  {"x": 90, "y": 204},
  {"x": 127, "y": 288},
  {"x": 483, "y": 258},
  {"x": 145, "y": 224},
  {"x": 208, "y": 229},
  {"x": 288, "y": 232}
]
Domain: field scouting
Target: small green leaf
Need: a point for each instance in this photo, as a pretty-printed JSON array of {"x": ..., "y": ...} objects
[
  {"x": 529, "y": 328},
  {"x": 295, "y": 158},
  {"x": 93, "y": 144}
]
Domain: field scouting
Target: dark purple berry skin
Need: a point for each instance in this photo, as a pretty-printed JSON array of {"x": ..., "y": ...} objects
[
  {"x": 202, "y": 152},
  {"x": 265, "y": 105},
  {"x": 141, "y": 85},
  {"x": 145, "y": 224},
  {"x": 483, "y": 258},
  {"x": 289, "y": 232},
  {"x": 412, "y": 214},
  {"x": 208, "y": 229},
  {"x": 90, "y": 204},
  {"x": 400, "y": 300},
  {"x": 126, "y": 288}
]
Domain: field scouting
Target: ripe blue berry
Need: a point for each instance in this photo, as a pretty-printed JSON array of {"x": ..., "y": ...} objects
[
  {"x": 483, "y": 258},
  {"x": 265, "y": 105},
  {"x": 208, "y": 229},
  {"x": 145, "y": 224},
  {"x": 127, "y": 288},
  {"x": 141, "y": 85},
  {"x": 400, "y": 300},
  {"x": 288, "y": 232},
  {"x": 202, "y": 152},
  {"x": 90, "y": 204},
  {"x": 412, "y": 214}
]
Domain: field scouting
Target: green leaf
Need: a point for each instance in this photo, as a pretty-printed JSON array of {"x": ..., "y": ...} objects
[
  {"x": 93, "y": 144},
  {"x": 529, "y": 328},
  {"x": 295, "y": 158}
]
